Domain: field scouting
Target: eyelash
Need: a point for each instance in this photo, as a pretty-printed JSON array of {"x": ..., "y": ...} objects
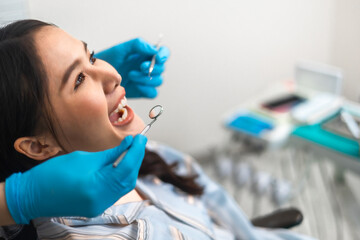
[
  {"x": 92, "y": 58},
  {"x": 79, "y": 80},
  {"x": 81, "y": 77}
]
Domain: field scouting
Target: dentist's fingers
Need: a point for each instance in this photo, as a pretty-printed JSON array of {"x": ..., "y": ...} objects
[
  {"x": 139, "y": 45},
  {"x": 130, "y": 164},
  {"x": 141, "y": 79},
  {"x": 113, "y": 153},
  {"x": 135, "y": 155},
  {"x": 162, "y": 55},
  {"x": 158, "y": 68},
  {"x": 147, "y": 91}
]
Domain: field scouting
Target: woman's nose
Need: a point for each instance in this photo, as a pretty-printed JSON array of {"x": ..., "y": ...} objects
[
  {"x": 110, "y": 83},
  {"x": 108, "y": 78}
]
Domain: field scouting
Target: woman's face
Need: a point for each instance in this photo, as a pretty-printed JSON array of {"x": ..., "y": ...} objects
[{"x": 86, "y": 95}]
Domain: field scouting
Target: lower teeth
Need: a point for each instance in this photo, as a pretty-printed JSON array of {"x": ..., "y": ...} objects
[{"x": 124, "y": 115}]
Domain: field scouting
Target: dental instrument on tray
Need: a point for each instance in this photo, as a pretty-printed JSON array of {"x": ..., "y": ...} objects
[
  {"x": 152, "y": 63},
  {"x": 350, "y": 123},
  {"x": 154, "y": 113}
]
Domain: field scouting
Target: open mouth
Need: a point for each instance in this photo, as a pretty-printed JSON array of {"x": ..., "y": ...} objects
[{"x": 122, "y": 114}]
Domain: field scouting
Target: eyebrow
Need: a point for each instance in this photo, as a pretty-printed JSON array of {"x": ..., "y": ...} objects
[{"x": 71, "y": 68}]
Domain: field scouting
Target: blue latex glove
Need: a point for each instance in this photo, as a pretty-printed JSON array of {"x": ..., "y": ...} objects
[
  {"x": 132, "y": 60},
  {"x": 76, "y": 184}
]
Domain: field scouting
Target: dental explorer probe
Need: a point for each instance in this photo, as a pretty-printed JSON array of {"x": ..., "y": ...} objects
[
  {"x": 152, "y": 63},
  {"x": 154, "y": 113},
  {"x": 350, "y": 124}
]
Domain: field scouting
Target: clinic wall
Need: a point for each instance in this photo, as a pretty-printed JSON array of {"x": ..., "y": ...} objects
[
  {"x": 222, "y": 51},
  {"x": 346, "y": 46}
]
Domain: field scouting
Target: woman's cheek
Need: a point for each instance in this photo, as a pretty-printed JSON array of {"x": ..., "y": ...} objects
[{"x": 93, "y": 105}]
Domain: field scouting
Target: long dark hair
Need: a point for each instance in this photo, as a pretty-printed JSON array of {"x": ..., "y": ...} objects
[
  {"x": 24, "y": 101},
  {"x": 22, "y": 92}
]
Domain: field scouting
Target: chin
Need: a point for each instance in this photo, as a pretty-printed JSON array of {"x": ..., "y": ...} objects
[{"x": 132, "y": 128}]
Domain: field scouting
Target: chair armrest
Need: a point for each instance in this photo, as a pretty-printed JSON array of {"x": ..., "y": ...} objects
[{"x": 282, "y": 218}]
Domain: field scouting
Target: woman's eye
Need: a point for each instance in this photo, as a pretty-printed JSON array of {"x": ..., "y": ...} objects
[
  {"x": 79, "y": 80},
  {"x": 81, "y": 77},
  {"x": 92, "y": 58}
]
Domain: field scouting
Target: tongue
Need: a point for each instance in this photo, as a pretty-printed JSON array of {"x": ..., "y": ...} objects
[{"x": 114, "y": 117}]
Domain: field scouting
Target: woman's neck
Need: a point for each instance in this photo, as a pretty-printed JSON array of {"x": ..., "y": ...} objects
[
  {"x": 132, "y": 196},
  {"x": 5, "y": 217}
]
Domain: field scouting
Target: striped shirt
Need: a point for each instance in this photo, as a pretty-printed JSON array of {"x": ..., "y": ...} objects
[{"x": 167, "y": 213}]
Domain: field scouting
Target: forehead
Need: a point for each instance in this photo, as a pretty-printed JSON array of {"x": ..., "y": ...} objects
[
  {"x": 57, "y": 50},
  {"x": 52, "y": 40}
]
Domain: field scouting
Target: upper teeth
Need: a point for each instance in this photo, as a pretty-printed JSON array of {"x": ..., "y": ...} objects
[
  {"x": 123, "y": 111},
  {"x": 121, "y": 105}
]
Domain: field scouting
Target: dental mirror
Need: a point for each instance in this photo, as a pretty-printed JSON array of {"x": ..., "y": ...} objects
[{"x": 154, "y": 113}]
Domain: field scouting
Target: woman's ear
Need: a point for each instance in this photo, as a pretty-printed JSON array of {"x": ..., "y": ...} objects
[{"x": 36, "y": 147}]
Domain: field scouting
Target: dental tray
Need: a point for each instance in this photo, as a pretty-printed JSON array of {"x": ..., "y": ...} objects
[{"x": 249, "y": 123}]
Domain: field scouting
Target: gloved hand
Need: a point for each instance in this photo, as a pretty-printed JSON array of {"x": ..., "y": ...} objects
[
  {"x": 76, "y": 184},
  {"x": 132, "y": 60}
]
